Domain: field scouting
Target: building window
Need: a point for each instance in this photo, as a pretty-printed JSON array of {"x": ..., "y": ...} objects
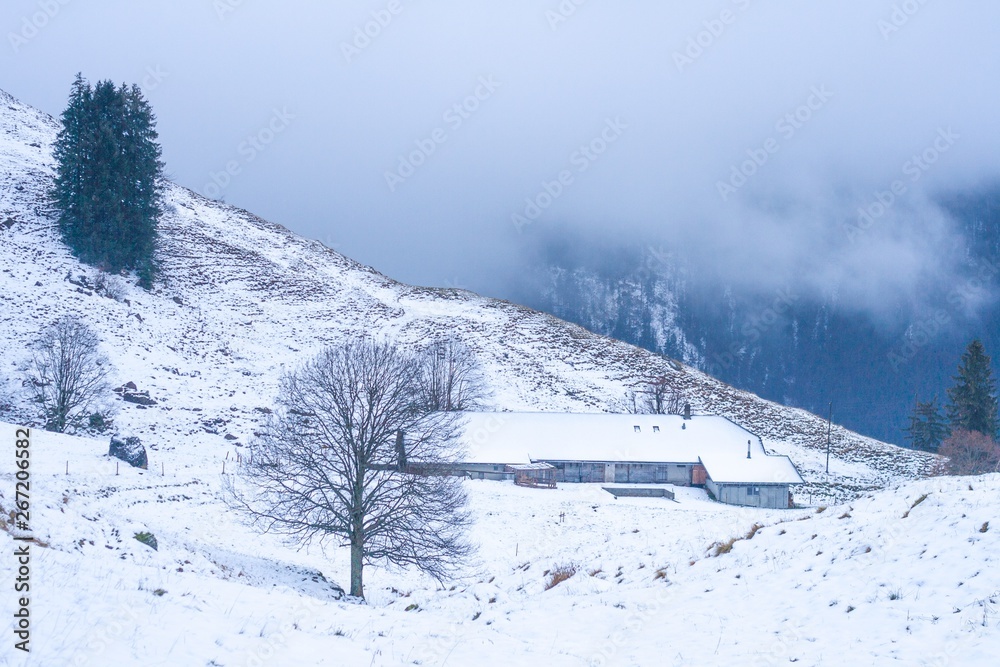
[
  {"x": 636, "y": 428},
  {"x": 656, "y": 429},
  {"x": 753, "y": 491}
]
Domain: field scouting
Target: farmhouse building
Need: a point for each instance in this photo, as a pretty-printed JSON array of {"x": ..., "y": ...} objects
[{"x": 701, "y": 450}]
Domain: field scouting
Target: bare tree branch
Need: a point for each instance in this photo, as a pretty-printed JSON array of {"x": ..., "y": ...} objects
[
  {"x": 970, "y": 453},
  {"x": 327, "y": 464},
  {"x": 69, "y": 373},
  {"x": 450, "y": 377}
]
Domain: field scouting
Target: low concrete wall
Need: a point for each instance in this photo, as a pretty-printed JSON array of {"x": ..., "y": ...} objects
[{"x": 639, "y": 492}]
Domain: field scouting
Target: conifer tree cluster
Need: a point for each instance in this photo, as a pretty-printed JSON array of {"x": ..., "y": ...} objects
[
  {"x": 972, "y": 404},
  {"x": 928, "y": 427},
  {"x": 108, "y": 178}
]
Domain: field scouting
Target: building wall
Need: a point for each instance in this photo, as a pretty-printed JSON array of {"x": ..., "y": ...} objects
[
  {"x": 576, "y": 471},
  {"x": 772, "y": 496},
  {"x": 623, "y": 473}
]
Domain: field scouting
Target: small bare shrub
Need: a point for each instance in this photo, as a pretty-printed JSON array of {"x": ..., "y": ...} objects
[{"x": 970, "y": 453}]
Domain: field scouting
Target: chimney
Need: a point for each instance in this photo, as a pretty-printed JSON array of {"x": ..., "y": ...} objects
[
  {"x": 687, "y": 411},
  {"x": 400, "y": 451}
]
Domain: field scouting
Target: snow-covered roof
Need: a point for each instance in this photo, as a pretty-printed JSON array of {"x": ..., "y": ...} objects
[
  {"x": 720, "y": 445},
  {"x": 533, "y": 466}
]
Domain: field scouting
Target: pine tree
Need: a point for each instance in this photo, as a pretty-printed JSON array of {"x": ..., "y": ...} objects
[
  {"x": 973, "y": 400},
  {"x": 107, "y": 186},
  {"x": 927, "y": 429},
  {"x": 70, "y": 153}
]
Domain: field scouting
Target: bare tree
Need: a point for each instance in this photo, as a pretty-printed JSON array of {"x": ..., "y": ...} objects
[
  {"x": 337, "y": 461},
  {"x": 655, "y": 396},
  {"x": 631, "y": 404},
  {"x": 450, "y": 377},
  {"x": 69, "y": 373},
  {"x": 970, "y": 453}
]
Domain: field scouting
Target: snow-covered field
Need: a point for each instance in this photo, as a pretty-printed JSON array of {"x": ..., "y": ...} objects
[{"x": 878, "y": 581}]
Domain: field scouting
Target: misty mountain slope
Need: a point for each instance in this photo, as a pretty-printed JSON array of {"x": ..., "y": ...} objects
[
  {"x": 788, "y": 344},
  {"x": 242, "y": 299}
]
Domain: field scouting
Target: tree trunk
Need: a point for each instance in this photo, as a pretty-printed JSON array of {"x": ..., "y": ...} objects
[{"x": 357, "y": 563}]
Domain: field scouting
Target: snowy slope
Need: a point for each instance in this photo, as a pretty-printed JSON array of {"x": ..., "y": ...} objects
[
  {"x": 883, "y": 580},
  {"x": 242, "y": 299}
]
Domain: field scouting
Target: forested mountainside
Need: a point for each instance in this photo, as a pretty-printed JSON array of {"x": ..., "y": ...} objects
[{"x": 785, "y": 346}]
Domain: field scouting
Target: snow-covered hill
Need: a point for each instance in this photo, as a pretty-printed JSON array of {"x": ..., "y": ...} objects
[
  {"x": 877, "y": 580},
  {"x": 900, "y": 576},
  {"x": 242, "y": 299}
]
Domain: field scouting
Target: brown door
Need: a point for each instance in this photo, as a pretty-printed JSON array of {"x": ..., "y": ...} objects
[{"x": 699, "y": 475}]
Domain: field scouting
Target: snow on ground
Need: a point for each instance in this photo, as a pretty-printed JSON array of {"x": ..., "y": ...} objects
[{"x": 883, "y": 580}]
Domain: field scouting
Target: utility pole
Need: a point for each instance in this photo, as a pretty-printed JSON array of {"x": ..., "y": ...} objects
[{"x": 829, "y": 426}]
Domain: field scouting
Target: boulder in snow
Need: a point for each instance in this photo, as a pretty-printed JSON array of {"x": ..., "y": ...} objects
[{"x": 129, "y": 450}]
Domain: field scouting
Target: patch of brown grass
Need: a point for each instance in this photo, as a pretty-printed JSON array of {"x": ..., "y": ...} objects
[
  {"x": 915, "y": 503},
  {"x": 720, "y": 548},
  {"x": 559, "y": 575}
]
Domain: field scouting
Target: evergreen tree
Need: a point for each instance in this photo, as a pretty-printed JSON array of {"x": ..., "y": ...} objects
[
  {"x": 973, "y": 400},
  {"x": 107, "y": 185},
  {"x": 927, "y": 429}
]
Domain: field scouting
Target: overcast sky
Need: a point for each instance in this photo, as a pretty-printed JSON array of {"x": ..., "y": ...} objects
[{"x": 642, "y": 109}]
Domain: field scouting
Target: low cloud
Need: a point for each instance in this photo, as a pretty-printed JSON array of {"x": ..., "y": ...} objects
[{"x": 807, "y": 114}]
